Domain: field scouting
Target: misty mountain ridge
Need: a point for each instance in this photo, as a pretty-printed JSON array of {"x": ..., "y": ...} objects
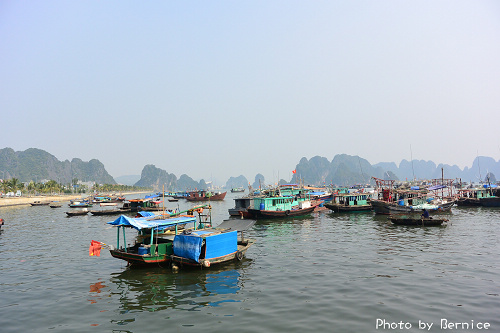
[{"x": 36, "y": 165}]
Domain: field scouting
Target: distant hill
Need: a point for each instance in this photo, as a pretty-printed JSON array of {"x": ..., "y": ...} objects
[
  {"x": 128, "y": 179},
  {"x": 342, "y": 170},
  {"x": 35, "y": 165},
  {"x": 160, "y": 180},
  {"x": 239, "y": 181},
  {"x": 421, "y": 169},
  {"x": 349, "y": 170}
]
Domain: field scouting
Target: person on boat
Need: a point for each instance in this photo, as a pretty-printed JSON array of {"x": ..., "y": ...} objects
[{"x": 425, "y": 214}]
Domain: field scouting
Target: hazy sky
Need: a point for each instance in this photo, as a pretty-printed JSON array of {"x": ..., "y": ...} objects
[{"x": 216, "y": 89}]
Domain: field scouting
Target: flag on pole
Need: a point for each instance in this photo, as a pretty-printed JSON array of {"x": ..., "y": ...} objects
[
  {"x": 294, "y": 171},
  {"x": 95, "y": 248}
]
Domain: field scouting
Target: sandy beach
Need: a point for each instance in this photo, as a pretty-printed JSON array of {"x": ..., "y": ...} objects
[{"x": 26, "y": 200}]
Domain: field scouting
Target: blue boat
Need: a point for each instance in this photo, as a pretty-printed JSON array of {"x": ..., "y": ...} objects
[
  {"x": 211, "y": 246},
  {"x": 80, "y": 204}
]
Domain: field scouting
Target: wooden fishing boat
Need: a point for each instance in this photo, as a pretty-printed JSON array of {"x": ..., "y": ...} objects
[
  {"x": 107, "y": 199},
  {"x": 350, "y": 203},
  {"x": 55, "y": 205},
  {"x": 107, "y": 212},
  {"x": 273, "y": 214},
  {"x": 205, "y": 196},
  {"x": 383, "y": 207},
  {"x": 490, "y": 202},
  {"x": 103, "y": 204},
  {"x": 281, "y": 207},
  {"x": 154, "y": 242},
  {"x": 153, "y": 245},
  {"x": 418, "y": 222},
  {"x": 146, "y": 204},
  {"x": 237, "y": 189},
  {"x": 241, "y": 206},
  {"x": 40, "y": 203},
  {"x": 472, "y": 197},
  {"x": 77, "y": 212},
  {"x": 79, "y": 204},
  {"x": 211, "y": 246},
  {"x": 413, "y": 200}
]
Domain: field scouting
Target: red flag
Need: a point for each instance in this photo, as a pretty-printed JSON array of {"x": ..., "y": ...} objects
[
  {"x": 294, "y": 171},
  {"x": 95, "y": 248}
]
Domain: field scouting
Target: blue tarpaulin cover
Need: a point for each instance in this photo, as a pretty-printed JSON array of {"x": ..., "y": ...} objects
[
  {"x": 436, "y": 187},
  {"x": 187, "y": 246},
  {"x": 143, "y": 223},
  {"x": 217, "y": 245},
  {"x": 146, "y": 214}
]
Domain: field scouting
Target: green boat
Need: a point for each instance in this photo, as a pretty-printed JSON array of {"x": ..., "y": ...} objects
[
  {"x": 282, "y": 206},
  {"x": 156, "y": 233},
  {"x": 472, "y": 197},
  {"x": 350, "y": 202}
]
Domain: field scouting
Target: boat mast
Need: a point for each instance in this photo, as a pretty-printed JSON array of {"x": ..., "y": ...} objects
[
  {"x": 411, "y": 156},
  {"x": 479, "y": 167}
]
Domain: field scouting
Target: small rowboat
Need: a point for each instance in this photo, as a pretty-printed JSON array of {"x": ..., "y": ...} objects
[
  {"x": 77, "y": 212},
  {"x": 107, "y": 212},
  {"x": 40, "y": 203},
  {"x": 418, "y": 222}
]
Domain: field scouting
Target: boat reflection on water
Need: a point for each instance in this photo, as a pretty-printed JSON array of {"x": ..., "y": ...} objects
[
  {"x": 159, "y": 289},
  {"x": 95, "y": 288}
]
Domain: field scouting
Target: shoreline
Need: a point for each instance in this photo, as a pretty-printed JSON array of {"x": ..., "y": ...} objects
[{"x": 27, "y": 200}]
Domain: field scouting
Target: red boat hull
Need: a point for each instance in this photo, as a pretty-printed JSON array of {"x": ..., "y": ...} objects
[{"x": 195, "y": 196}]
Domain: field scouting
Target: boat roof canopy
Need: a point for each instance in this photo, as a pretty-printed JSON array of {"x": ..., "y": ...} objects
[
  {"x": 144, "y": 223},
  {"x": 436, "y": 187},
  {"x": 239, "y": 225}
]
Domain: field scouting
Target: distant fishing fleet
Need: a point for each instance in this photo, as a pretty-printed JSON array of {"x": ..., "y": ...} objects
[{"x": 174, "y": 238}]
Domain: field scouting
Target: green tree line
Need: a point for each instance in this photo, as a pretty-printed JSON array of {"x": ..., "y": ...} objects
[{"x": 53, "y": 187}]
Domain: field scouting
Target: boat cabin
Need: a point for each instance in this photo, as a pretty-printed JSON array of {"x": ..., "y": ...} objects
[
  {"x": 154, "y": 241},
  {"x": 145, "y": 204},
  {"x": 278, "y": 203},
  {"x": 205, "y": 244},
  {"x": 476, "y": 193},
  {"x": 351, "y": 199}
]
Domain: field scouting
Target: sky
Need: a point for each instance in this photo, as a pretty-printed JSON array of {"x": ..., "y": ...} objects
[{"x": 219, "y": 89}]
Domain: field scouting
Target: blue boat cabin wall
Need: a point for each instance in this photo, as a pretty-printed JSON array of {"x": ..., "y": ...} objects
[
  {"x": 203, "y": 245},
  {"x": 221, "y": 244}
]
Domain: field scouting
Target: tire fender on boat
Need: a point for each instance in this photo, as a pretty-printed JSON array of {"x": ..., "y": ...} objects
[
  {"x": 239, "y": 255},
  {"x": 287, "y": 212},
  {"x": 206, "y": 263}
]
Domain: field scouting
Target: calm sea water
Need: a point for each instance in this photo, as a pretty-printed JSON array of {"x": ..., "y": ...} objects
[{"x": 325, "y": 273}]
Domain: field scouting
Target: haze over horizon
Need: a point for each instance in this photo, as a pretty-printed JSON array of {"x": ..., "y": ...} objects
[{"x": 221, "y": 89}]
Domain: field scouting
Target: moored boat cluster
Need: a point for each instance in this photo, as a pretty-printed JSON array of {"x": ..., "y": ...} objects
[{"x": 164, "y": 239}]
